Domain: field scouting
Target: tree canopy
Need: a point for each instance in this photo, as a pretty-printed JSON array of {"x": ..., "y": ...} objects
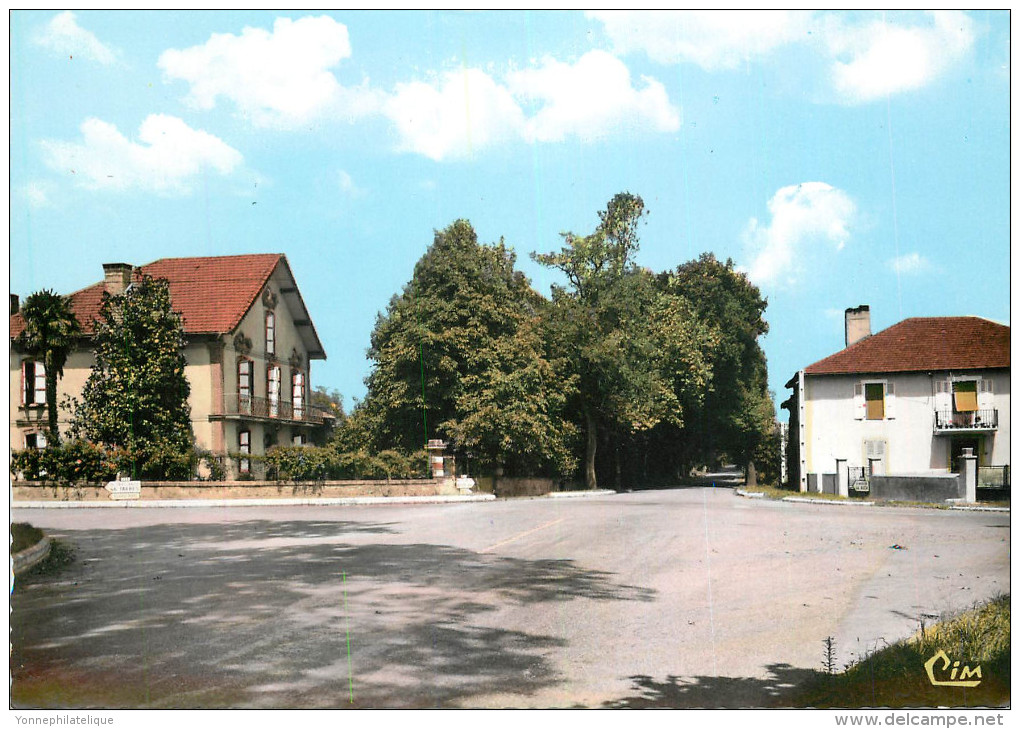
[
  {"x": 50, "y": 334},
  {"x": 450, "y": 351},
  {"x": 136, "y": 396}
]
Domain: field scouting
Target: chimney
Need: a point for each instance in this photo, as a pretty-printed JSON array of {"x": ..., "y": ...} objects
[
  {"x": 858, "y": 324},
  {"x": 118, "y": 277},
  {"x": 14, "y": 304}
]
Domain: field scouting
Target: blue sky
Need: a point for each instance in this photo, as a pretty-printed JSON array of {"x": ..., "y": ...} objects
[{"x": 839, "y": 158}]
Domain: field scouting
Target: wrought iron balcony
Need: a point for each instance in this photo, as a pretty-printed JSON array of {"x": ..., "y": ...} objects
[
  {"x": 976, "y": 420},
  {"x": 269, "y": 409}
]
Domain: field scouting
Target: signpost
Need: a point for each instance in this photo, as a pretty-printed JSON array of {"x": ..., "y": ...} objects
[{"x": 124, "y": 489}]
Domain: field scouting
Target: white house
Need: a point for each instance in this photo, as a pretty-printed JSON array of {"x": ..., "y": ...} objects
[{"x": 904, "y": 401}]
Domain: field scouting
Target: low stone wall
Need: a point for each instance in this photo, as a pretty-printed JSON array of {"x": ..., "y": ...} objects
[
  {"x": 169, "y": 490},
  {"x": 28, "y": 558},
  {"x": 932, "y": 488}
]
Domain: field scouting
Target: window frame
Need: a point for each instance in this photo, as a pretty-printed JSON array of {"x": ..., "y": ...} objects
[
  {"x": 297, "y": 393},
  {"x": 270, "y": 332},
  {"x": 244, "y": 406},
  {"x": 273, "y": 398},
  {"x": 37, "y": 380},
  {"x": 244, "y": 448}
]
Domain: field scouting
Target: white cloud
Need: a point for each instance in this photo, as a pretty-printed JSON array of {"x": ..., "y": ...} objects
[
  {"x": 802, "y": 216},
  {"x": 462, "y": 111},
  {"x": 711, "y": 39},
  {"x": 168, "y": 154},
  {"x": 279, "y": 78},
  {"x": 591, "y": 99},
  {"x": 910, "y": 263},
  {"x": 64, "y": 36},
  {"x": 885, "y": 58},
  {"x": 864, "y": 58}
]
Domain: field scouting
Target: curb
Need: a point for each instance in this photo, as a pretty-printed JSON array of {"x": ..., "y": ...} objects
[
  {"x": 28, "y": 558},
  {"x": 748, "y": 495},
  {"x": 1001, "y": 509},
  {"x": 198, "y": 503},
  {"x": 827, "y": 501},
  {"x": 578, "y": 494}
]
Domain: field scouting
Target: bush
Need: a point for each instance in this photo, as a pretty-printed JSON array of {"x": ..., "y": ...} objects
[
  {"x": 310, "y": 463},
  {"x": 80, "y": 461}
]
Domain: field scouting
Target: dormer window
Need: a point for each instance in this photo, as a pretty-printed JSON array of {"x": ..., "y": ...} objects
[{"x": 270, "y": 332}]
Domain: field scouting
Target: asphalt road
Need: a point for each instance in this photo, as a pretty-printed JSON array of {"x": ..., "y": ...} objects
[{"x": 688, "y": 597}]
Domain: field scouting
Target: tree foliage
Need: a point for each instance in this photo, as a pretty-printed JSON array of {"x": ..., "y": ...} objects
[
  {"x": 738, "y": 413},
  {"x": 440, "y": 356},
  {"x": 632, "y": 349},
  {"x": 50, "y": 334},
  {"x": 136, "y": 396}
]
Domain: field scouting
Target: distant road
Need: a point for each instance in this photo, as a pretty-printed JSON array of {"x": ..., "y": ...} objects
[{"x": 688, "y": 597}]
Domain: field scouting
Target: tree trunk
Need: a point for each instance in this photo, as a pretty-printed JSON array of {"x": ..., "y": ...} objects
[
  {"x": 53, "y": 437},
  {"x": 589, "y": 455},
  {"x": 751, "y": 477},
  {"x": 618, "y": 468}
]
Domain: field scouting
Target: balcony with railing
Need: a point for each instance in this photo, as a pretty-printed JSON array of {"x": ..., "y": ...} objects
[
  {"x": 947, "y": 421},
  {"x": 264, "y": 408}
]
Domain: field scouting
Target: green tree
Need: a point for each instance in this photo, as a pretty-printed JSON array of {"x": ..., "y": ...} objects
[
  {"x": 440, "y": 357},
  {"x": 329, "y": 400},
  {"x": 738, "y": 414},
  {"x": 136, "y": 396},
  {"x": 50, "y": 334},
  {"x": 604, "y": 324}
]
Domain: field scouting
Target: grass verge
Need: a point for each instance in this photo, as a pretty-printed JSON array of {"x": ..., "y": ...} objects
[
  {"x": 24, "y": 536},
  {"x": 896, "y": 676}
]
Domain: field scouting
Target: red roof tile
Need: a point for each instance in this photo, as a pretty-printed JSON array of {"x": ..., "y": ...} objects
[
  {"x": 923, "y": 344},
  {"x": 212, "y": 293}
]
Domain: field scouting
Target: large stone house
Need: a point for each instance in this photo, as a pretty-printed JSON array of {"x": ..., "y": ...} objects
[
  {"x": 250, "y": 343},
  {"x": 905, "y": 401}
]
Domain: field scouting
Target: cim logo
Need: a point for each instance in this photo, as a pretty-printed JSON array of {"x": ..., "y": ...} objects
[{"x": 957, "y": 677}]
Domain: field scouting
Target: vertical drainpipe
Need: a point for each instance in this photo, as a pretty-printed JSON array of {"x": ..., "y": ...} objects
[{"x": 802, "y": 426}]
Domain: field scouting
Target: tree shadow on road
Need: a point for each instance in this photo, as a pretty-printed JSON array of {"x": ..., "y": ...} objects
[
  {"x": 715, "y": 692},
  {"x": 284, "y": 614}
]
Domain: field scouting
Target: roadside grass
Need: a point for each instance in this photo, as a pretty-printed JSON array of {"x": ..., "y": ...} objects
[
  {"x": 23, "y": 536},
  {"x": 895, "y": 676}
]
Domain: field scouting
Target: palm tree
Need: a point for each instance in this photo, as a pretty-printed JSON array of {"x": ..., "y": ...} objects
[{"x": 49, "y": 336}]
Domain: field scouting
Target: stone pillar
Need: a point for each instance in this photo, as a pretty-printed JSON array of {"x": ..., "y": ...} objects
[
  {"x": 436, "y": 460},
  {"x": 968, "y": 472},
  {"x": 842, "y": 478}
]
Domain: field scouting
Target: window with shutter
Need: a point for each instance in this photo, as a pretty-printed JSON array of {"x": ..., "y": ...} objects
[
  {"x": 874, "y": 396},
  {"x": 244, "y": 447},
  {"x": 890, "y": 401},
  {"x": 244, "y": 383},
  {"x": 965, "y": 396},
  {"x": 859, "y": 407},
  {"x": 986, "y": 400},
  {"x": 273, "y": 390},
  {"x": 297, "y": 393},
  {"x": 270, "y": 333},
  {"x": 33, "y": 383}
]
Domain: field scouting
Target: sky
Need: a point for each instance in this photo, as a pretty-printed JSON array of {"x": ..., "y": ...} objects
[{"x": 838, "y": 158}]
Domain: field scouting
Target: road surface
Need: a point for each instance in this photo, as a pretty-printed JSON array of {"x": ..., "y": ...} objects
[{"x": 686, "y": 597}]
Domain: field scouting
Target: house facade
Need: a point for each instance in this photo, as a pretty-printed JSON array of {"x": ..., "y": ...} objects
[
  {"x": 905, "y": 401},
  {"x": 249, "y": 346}
]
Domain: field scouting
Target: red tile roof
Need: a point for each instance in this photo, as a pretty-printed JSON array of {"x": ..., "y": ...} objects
[
  {"x": 923, "y": 344},
  {"x": 212, "y": 294}
]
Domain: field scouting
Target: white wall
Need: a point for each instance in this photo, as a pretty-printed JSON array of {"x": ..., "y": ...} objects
[{"x": 832, "y": 431}]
